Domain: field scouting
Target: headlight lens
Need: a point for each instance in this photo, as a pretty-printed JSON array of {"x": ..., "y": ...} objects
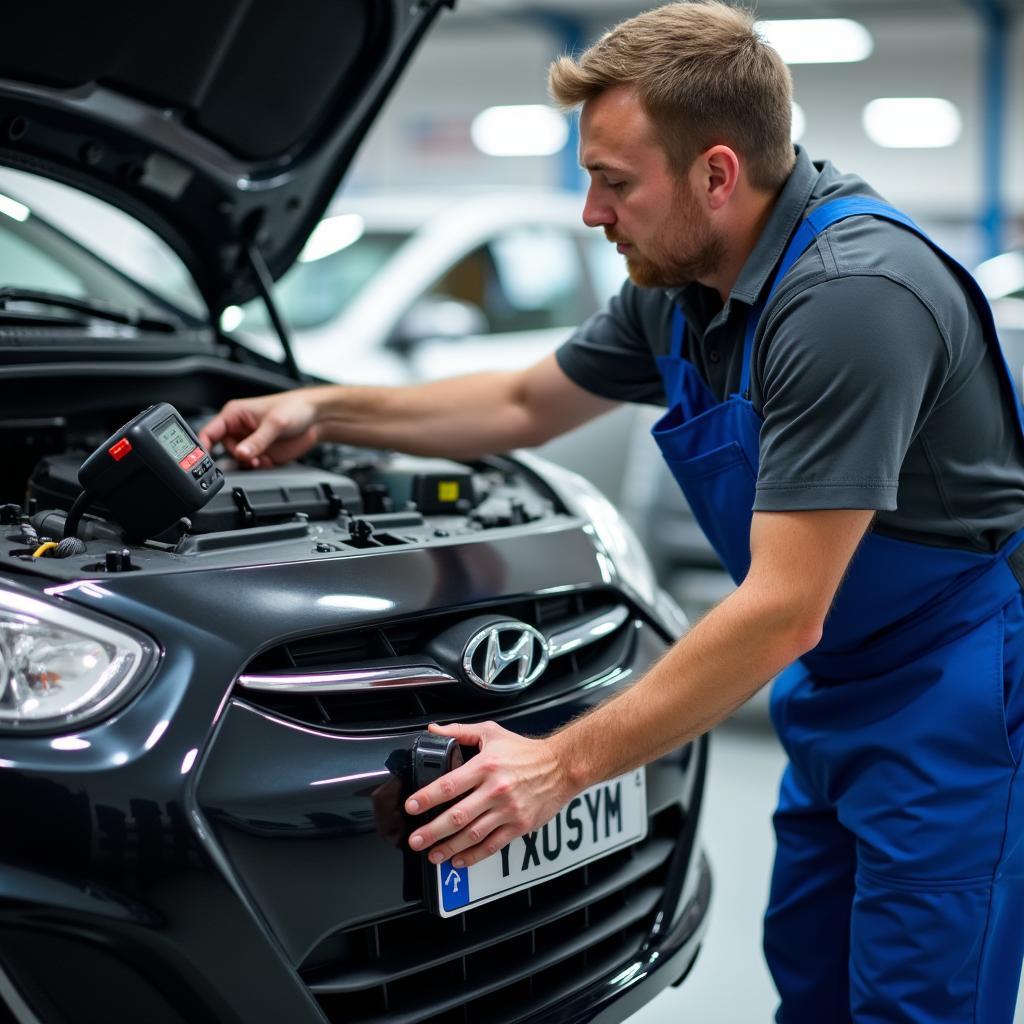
[
  {"x": 621, "y": 545},
  {"x": 57, "y": 667}
]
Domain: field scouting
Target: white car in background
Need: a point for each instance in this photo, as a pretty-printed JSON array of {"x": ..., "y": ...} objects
[
  {"x": 1002, "y": 280},
  {"x": 398, "y": 288},
  {"x": 393, "y": 288}
]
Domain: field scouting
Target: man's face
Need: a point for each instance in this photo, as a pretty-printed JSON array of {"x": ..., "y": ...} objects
[{"x": 650, "y": 211}]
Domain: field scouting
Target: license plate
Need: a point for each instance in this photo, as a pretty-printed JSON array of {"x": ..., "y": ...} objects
[{"x": 602, "y": 819}]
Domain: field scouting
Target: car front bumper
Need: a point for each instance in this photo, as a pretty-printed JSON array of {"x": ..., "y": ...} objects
[{"x": 200, "y": 858}]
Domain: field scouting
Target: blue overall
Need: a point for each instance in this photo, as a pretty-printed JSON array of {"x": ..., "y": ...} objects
[{"x": 898, "y": 889}]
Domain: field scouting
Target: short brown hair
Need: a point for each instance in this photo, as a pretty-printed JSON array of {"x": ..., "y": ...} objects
[{"x": 704, "y": 77}]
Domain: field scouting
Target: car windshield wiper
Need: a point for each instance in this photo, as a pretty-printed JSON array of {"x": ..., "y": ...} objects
[{"x": 92, "y": 308}]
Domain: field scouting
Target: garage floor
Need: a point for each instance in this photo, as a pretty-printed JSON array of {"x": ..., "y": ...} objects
[{"x": 730, "y": 983}]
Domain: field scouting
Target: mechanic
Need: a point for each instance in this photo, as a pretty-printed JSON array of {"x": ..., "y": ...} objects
[{"x": 842, "y": 422}]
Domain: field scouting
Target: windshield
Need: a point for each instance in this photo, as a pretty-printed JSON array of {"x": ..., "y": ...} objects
[
  {"x": 61, "y": 240},
  {"x": 319, "y": 287},
  {"x": 36, "y": 257}
]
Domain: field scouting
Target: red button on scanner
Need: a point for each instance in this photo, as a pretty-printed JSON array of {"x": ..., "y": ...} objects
[
  {"x": 119, "y": 450},
  {"x": 191, "y": 459}
]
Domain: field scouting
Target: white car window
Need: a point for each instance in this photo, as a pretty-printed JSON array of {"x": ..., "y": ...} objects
[
  {"x": 528, "y": 278},
  {"x": 539, "y": 268},
  {"x": 607, "y": 267},
  {"x": 314, "y": 292}
]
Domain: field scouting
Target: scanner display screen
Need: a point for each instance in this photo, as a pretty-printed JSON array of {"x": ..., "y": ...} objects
[{"x": 173, "y": 436}]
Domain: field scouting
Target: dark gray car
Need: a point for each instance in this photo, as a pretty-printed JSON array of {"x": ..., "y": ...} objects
[{"x": 207, "y": 720}]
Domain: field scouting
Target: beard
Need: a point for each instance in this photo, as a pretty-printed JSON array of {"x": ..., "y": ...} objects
[{"x": 685, "y": 249}]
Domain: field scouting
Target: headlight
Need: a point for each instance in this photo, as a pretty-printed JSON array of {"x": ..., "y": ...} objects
[
  {"x": 620, "y": 544},
  {"x": 57, "y": 667}
]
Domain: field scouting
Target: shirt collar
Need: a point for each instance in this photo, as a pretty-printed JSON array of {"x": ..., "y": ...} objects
[{"x": 767, "y": 252}]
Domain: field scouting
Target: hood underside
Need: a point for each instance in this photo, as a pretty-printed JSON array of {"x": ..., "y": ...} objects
[{"x": 220, "y": 124}]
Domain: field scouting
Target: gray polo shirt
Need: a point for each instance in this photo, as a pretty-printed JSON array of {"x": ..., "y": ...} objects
[{"x": 869, "y": 371}]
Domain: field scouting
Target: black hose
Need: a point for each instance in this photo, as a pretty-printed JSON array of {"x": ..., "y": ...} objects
[{"x": 75, "y": 514}]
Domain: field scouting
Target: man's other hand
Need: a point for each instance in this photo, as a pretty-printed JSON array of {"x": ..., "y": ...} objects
[{"x": 511, "y": 787}]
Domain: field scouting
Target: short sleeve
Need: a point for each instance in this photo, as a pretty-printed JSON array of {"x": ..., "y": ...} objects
[
  {"x": 611, "y": 353},
  {"x": 849, "y": 369}
]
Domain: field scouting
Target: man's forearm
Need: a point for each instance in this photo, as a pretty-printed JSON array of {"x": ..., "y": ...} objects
[
  {"x": 461, "y": 417},
  {"x": 701, "y": 680}
]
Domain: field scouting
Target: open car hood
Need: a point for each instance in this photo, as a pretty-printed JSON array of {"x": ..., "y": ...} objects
[{"x": 221, "y": 124}]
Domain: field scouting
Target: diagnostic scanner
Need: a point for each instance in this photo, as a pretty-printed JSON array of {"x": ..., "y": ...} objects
[
  {"x": 149, "y": 473},
  {"x": 432, "y": 757}
]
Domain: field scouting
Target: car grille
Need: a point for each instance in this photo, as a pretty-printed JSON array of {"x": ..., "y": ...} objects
[
  {"x": 410, "y": 690},
  {"x": 501, "y": 962}
]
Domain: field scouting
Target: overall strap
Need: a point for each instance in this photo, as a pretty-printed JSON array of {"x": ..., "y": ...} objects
[
  {"x": 678, "y": 331},
  {"x": 810, "y": 227},
  {"x": 828, "y": 214},
  {"x": 835, "y": 210}
]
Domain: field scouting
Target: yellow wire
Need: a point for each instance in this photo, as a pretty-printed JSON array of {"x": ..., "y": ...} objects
[{"x": 43, "y": 548}]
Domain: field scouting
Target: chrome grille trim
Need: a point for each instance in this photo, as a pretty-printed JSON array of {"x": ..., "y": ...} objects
[
  {"x": 586, "y": 631},
  {"x": 349, "y": 680},
  {"x": 577, "y": 634}
]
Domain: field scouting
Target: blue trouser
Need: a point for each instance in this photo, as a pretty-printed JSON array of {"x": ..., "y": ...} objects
[{"x": 908, "y": 909}]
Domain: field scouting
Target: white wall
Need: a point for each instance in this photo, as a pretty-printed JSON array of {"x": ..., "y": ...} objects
[{"x": 423, "y": 141}]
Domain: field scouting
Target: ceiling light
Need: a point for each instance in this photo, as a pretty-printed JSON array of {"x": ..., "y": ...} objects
[
  {"x": 817, "y": 40},
  {"x": 528, "y": 130},
  {"x": 799, "y": 123},
  {"x": 924, "y": 122},
  {"x": 332, "y": 235}
]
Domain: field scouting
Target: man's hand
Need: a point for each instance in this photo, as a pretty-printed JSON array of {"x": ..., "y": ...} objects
[
  {"x": 514, "y": 786},
  {"x": 265, "y": 431}
]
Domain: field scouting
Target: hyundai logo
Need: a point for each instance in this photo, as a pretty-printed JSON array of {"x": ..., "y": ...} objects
[{"x": 505, "y": 657}]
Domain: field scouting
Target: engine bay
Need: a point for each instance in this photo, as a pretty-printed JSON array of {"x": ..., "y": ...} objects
[{"x": 339, "y": 501}]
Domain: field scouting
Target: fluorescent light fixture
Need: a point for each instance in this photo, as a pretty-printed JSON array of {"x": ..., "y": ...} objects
[
  {"x": 527, "y": 130},
  {"x": 14, "y": 209},
  {"x": 817, "y": 40},
  {"x": 332, "y": 235},
  {"x": 1001, "y": 275},
  {"x": 799, "y": 123},
  {"x": 923, "y": 122},
  {"x": 231, "y": 318}
]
